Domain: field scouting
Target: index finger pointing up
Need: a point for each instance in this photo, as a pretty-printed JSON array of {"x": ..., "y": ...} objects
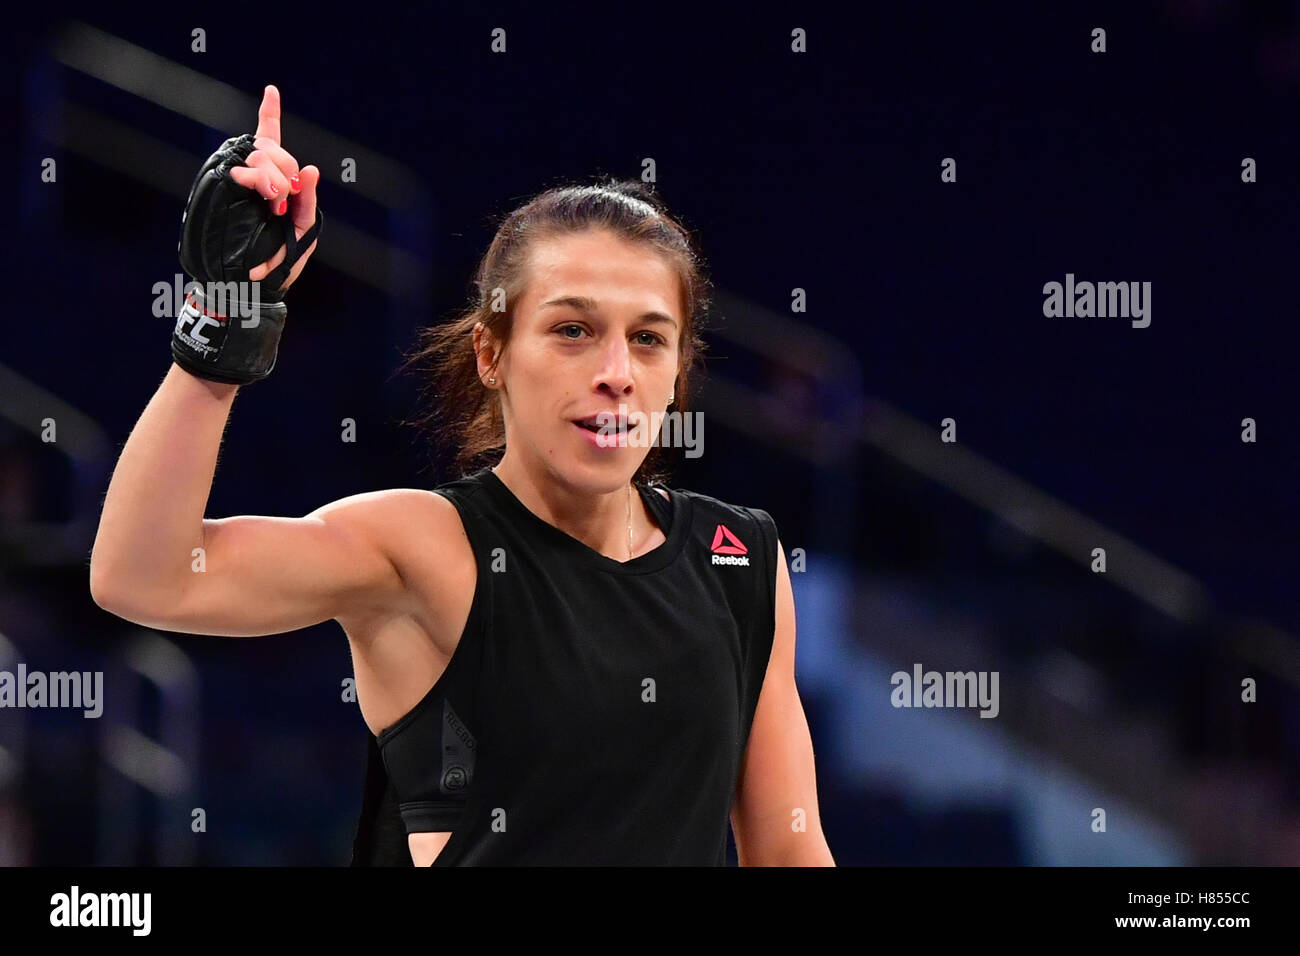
[{"x": 268, "y": 114}]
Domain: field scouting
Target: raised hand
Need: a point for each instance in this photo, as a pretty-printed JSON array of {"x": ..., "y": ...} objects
[
  {"x": 273, "y": 173},
  {"x": 228, "y": 236}
]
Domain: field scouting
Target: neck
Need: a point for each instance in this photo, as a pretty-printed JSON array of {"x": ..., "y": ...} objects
[{"x": 599, "y": 519}]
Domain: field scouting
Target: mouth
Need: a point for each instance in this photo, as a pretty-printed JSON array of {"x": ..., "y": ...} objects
[
  {"x": 605, "y": 432},
  {"x": 607, "y": 424}
]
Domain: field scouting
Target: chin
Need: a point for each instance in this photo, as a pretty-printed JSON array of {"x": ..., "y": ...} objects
[{"x": 596, "y": 477}]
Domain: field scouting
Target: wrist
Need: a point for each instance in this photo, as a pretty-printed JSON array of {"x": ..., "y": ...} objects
[
  {"x": 220, "y": 391},
  {"x": 232, "y": 346}
]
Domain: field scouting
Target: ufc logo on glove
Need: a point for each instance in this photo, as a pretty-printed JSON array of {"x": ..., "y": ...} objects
[{"x": 192, "y": 323}]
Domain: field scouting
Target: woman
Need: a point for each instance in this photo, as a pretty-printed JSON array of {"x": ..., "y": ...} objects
[{"x": 560, "y": 660}]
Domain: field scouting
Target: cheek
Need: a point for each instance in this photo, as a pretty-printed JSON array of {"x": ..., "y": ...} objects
[{"x": 541, "y": 391}]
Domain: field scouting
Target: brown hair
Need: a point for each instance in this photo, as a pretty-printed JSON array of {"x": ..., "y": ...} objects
[{"x": 466, "y": 415}]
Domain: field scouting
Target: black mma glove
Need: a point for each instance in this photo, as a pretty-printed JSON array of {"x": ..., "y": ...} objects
[{"x": 229, "y": 328}]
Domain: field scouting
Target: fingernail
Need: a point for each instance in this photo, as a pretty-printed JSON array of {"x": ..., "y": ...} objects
[
  {"x": 275, "y": 191},
  {"x": 296, "y": 183},
  {"x": 284, "y": 204}
]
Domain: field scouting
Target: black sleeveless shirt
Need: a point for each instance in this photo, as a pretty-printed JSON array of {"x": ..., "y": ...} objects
[{"x": 595, "y": 712}]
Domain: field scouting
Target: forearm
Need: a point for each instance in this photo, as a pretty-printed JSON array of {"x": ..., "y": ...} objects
[{"x": 153, "y": 512}]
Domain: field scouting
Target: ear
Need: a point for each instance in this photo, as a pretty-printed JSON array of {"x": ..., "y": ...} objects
[{"x": 484, "y": 351}]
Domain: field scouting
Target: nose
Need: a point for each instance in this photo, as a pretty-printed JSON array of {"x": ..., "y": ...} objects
[{"x": 615, "y": 367}]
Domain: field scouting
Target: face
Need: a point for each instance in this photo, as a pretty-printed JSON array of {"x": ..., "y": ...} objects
[{"x": 598, "y": 326}]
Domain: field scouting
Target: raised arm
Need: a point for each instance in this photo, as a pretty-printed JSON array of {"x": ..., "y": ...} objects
[
  {"x": 253, "y": 575},
  {"x": 156, "y": 560}
]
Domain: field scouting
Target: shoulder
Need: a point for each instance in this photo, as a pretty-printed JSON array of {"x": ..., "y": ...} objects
[
  {"x": 377, "y": 512},
  {"x": 736, "y": 529},
  {"x": 741, "y": 543},
  {"x": 422, "y": 507},
  {"x": 743, "y": 515},
  {"x": 406, "y": 524}
]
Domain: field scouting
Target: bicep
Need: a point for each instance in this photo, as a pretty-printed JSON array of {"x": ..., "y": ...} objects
[{"x": 257, "y": 574}]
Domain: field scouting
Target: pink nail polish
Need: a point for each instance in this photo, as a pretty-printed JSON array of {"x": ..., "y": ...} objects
[
  {"x": 274, "y": 189},
  {"x": 284, "y": 204}
]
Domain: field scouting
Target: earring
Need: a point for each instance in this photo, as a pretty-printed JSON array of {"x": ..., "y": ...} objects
[
  {"x": 492, "y": 381},
  {"x": 670, "y": 399}
]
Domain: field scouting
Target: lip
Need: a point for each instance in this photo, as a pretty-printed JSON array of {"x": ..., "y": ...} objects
[
  {"x": 595, "y": 418},
  {"x": 603, "y": 442}
]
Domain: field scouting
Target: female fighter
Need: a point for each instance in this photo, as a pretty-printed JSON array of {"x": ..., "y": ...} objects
[{"x": 560, "y": 660}]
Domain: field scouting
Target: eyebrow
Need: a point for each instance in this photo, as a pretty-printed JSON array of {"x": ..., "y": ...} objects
[{"x": 584, "y": 304}]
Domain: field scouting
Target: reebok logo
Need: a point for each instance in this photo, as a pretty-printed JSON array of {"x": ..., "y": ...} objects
[
  {"x": 458, "y": 746},
  {"x": 727, "y": 548}
]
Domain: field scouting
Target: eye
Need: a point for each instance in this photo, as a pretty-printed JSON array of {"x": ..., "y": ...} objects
[
  {"x": 655, "y": 339},
  {"x": 571, "y": 325}
]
